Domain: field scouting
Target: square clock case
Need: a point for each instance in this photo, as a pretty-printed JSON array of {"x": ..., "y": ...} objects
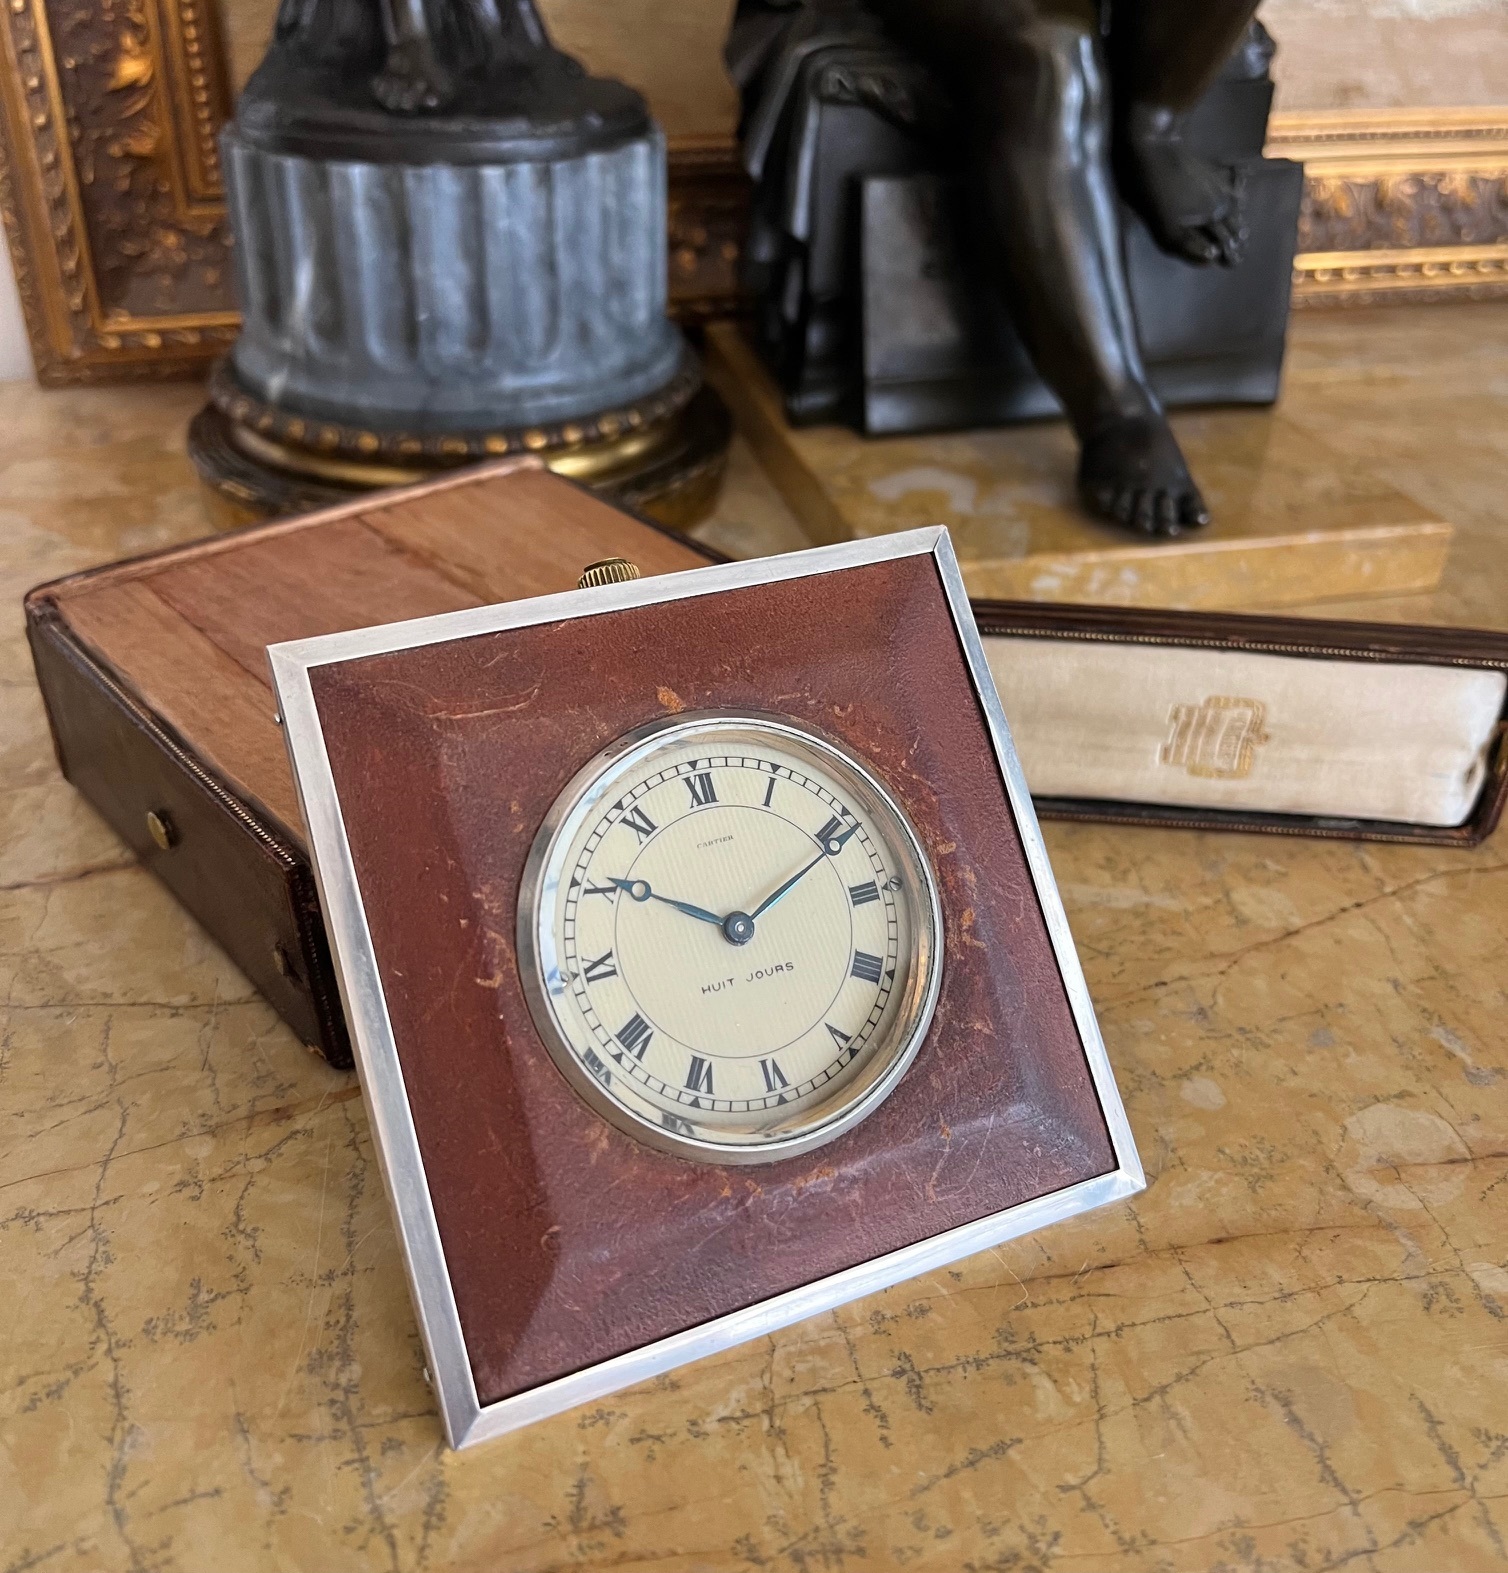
[{"x": 702, "y": 958}]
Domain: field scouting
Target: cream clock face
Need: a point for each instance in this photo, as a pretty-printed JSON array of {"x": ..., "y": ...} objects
[{"x": 730, "y": 937}]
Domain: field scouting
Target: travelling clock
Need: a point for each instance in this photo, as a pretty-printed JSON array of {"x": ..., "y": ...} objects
[
  {"x": 704, "y": 966},
  {"x": 731, "y": 937}
]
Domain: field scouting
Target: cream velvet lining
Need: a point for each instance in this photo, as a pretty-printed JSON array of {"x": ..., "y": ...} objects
[{"x": 1235, "y": 730}]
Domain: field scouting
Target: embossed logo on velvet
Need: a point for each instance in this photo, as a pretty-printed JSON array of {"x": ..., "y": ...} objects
[{"x": 1217, "y": 739}]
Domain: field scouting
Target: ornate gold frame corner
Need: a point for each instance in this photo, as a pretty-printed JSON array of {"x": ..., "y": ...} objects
[
  {"x": 110, "y": 185},
  {"x": 1399, "y": 204}
]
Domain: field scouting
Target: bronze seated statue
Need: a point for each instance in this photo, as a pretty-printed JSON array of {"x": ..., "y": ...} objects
[{"x": 1096, "y": 180}]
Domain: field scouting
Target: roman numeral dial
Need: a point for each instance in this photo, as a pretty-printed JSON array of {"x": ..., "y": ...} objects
[
  {"x": 599, "y": 969},
  {"x": 735, "y": 940},
  {"x": 701, "y": 788},
  {"x": 868, "y": 968},
  {"x": 636, "y": 1035},
  {"x": 636, "y": 820}
]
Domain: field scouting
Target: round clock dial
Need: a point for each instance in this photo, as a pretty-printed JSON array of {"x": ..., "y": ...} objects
[{"x": 730, "y": 937}]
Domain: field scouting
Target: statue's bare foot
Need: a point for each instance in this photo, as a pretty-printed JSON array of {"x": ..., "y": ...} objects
[
  {"x": 412, "y": 79},
  {"x": 1193, "y": 208},
  {"x": 1131, "y": 471}
]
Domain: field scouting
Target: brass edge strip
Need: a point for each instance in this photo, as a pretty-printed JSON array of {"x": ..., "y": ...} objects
[
  {"x": 30, "y": 219},
  {"x": 1418, "y": 256},
  {"x": 1363, "y": 125},
  {"x": 66, "y": 162}
]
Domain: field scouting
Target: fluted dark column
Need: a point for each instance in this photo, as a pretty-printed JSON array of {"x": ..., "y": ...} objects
[{"x": 452, "y": 297}]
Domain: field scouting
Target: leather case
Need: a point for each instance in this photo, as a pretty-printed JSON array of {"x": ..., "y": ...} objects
[
  {"x": 155, "y": 679},
  {"x": 154, "y": 673}
]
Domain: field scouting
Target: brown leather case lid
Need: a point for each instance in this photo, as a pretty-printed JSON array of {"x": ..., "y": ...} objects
[
  {"x": 185, "y": 631},
  {"x": 156, "y": 681},
  {"x": 568, "y": 1242}
]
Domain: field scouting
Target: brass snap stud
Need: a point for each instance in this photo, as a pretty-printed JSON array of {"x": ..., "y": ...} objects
[{"x": 160, "y": 827}]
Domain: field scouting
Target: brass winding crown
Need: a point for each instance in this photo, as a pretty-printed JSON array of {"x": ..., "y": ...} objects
[{"x": 611, "y": 570}]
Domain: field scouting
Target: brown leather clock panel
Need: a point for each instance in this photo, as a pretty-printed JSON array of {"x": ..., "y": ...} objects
[{"x": 567, "y": 1240}]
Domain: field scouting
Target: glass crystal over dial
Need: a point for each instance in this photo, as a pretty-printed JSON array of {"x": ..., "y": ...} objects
[{"x": 730, "y": 937}]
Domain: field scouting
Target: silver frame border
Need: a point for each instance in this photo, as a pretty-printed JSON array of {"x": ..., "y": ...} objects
[
  {"x": 466, "y": 1420},
  {"x": 575, "y": 803}
]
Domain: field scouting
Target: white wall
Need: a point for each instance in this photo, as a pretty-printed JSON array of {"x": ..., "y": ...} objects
[
  {"x": 1376, "y": 54},
  {"x": 1334, "y": 54},
  {"x": 671, "y": 50},
  {"x": 15, "y": 353}
]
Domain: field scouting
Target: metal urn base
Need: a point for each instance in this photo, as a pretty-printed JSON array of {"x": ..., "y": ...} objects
[
  {"x": 664, "y": 456},
  {"x": 442, "y": 298},
  {"x": 450, "y": 246}
]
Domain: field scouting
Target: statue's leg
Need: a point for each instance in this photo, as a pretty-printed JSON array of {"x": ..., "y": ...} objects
[
  {"x": 1164, "y": 55},
  {"x": 412, "y": 78},
  {"x": 1029, "y": 83}
]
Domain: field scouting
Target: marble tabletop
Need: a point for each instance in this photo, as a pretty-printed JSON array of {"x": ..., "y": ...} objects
[{"x": 1290, "y": 1353}]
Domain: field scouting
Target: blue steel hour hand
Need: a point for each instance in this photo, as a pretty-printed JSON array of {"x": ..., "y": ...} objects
[
  {"x": 638, "y": 890},
  {"x": 832, "y": 844}
]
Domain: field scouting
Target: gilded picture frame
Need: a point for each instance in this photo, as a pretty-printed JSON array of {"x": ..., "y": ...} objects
[
  {"x": 111, "y": 196},
  {"x": 110, "y": 185},
  {"x": 1399, "y": 204}
]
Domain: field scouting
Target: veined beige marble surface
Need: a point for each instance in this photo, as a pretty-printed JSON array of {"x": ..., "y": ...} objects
[{"x": 1291, "y": 1353}]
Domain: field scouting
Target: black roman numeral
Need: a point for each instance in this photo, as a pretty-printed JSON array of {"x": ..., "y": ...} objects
[
  {"x": 832, "y": 837},
  {"x": 769, "y": 791},
  {"x": 699, "y": 1077},
  {"x": 701, "y": 789},
  {"x": 842, "y": 1039},
  {"x": 602, "y": 967},
  {"x": 597, "y": 1068},
  {"x": 600, "y": 890},
  {"x": 635, "y": 1034},
  {"x": 867, "y": 967},
  {"x": 862, "y": 895},
  {"x": 774, "y": 1077},
  {"x": 639, "y": 822}
]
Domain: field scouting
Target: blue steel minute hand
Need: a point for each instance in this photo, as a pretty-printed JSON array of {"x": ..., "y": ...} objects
[
  {"x": 638, "y": 890},
  {"x": 830, "y": 848}
]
